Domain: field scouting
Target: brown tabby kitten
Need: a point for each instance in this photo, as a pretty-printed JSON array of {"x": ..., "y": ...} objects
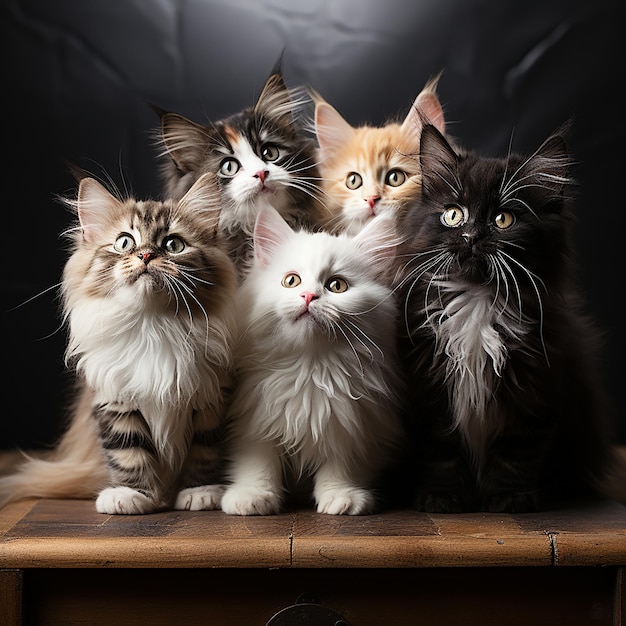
[
  {"x": 261, "y": 156},
  {"x": 507, "y": 403},
  {"x": 368, "y": 171},
  {"x": 148, "y": 295}
]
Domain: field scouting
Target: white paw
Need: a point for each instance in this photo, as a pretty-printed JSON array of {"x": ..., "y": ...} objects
[
  {"x": 116, "y": 500},
  {"x": 203, "y": 498},
  {"x": 239, "y": 500},
  {"x": 346, "y": 501}
]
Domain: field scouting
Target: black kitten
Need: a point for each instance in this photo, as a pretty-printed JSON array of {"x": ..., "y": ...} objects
[{"x": 507, "y": 407}]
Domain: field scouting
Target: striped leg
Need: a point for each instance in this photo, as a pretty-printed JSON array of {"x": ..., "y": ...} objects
[
  {"x": 203, "y": 473},
  {"x": 132, "y": 461}
]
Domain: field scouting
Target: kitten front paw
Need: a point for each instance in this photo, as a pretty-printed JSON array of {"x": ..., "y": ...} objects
[
  {"x": 124, "y": 500},
  {"x": 239, "y": 500},
  {"x": 203, "y": 498},
  {"x": 441, "y": 503},
  {"x": 346, "y": 501},
  {"x": 512, "y": 502}
]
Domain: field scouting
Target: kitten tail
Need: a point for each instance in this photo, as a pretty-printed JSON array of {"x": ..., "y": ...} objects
[{"x": 76, "y": 469}]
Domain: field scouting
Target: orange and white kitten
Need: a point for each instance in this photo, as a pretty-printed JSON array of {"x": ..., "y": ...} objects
[{"x": 369, "y": 170}]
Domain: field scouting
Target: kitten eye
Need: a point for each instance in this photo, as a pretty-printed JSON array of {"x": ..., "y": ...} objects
[
  {"x": 124, "y": 243},
  {"x": 395, "y": 178},
  {"x": 269, "y": 152},
  {"x": 336, "y": 284},
  {"x": 229, "y": 167},
  {"x": 504, "y": 220},
  {"x": 454, "y": 216},
  {"x": 354, "y": 180},
  {"x": 291, "y": 280},
  {"x": 173, "y": 244}
]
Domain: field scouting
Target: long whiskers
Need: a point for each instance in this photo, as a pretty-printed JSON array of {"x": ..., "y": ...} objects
[
  {"x": 37, "y": 295},
  {"x": 363, "y": 338},
  {"x": 535, "y": 281}
]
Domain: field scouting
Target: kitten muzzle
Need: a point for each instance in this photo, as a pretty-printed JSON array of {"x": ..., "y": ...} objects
[
  {"x": 261, "y": 175},
  {"x": 146, "y": 256}
]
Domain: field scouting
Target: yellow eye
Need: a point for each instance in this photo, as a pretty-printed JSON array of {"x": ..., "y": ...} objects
[
  {"x": 173, "y": 244},
  {"x": 336, "y": 284},
  {"x": 354, "y": 180},
  {"x": 229, "y": 167},
  {"x": 504, "y": 220},
  {"x": 395, "y": 178},
  {"x": 291, "y": 280},
  {"x": 124, "y": 243},
  {"x": 269, "y": 152},
  {"x": 454, "y": 216}
]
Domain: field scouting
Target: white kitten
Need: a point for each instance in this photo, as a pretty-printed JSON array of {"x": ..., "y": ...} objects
[{"x": 316, "y": 367}]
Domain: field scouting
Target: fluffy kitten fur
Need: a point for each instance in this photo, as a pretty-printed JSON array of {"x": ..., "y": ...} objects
[
  {"x": 148, "y": 293},
  {"x": 367, "y": 170},
  {"x": 506, "y": 400},
  {"x": 316, "y": 368},
  {"x": 261, "y": 156}
]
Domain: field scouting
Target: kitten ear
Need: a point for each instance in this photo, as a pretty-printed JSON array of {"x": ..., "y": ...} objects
[
  {"x": 332, "y": 130},
  {"x": 551, "y": 162},
  {"x": 426, "y": 109},
  {"x": 94, "y": 205},
  {"x": 204, "y": 197},
  {"x": 435, "y": 153},
  {"x": 183, "y": 140},
  {"x": 270, "y": 230},
  {"x": 275, "y": 100},
  {"x": 379, "y": 239}
]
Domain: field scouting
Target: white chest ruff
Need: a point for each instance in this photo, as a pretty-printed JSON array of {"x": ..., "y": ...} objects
[
  {"x": 475, "y": 355},
  {"x": 313, "y": 411},
  {"x": 140, "y": 360}
]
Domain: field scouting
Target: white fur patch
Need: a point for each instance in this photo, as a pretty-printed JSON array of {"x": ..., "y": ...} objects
[
  {"x": 124, "y": 500},
  {"x": 475, "y": 355},
  {"x": 145, "y": 360}
]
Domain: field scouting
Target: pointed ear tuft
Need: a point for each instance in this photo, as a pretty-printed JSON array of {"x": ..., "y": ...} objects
[
  {"x": 426, "y": 109},
  {"x": 551, "y": 162},
  {"x": 95, "y": 204},
  {"x": 204, "y": 197},
  {"x": 184, "y": 141},
  {"x": 332, "y": 130},
  {"x": 435, "y": 153},
  {"x": 275, "y": 100},
  {"x": 270, "y": 231}
]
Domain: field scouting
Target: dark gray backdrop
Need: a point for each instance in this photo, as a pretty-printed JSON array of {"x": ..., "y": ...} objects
[{"x": 78, "y": 75}]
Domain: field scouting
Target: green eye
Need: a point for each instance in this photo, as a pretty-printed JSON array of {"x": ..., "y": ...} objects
[
  {"x": 353, "y": 180},
  {"x": 395, "y": 178},
  {"x": 454, "y": 216},
  {"x": 269, "y": 152},
  {"x": 229, "y": 167},
  {"x": 124, "y": 243},
  {"x": 173, "y": 244},
  {"x": 504, "y": 220},
  {"x": 291, "y": 280},
  {"x": 336, "y": 284}
]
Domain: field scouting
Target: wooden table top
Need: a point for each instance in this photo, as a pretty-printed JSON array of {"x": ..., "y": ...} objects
[{"x": 70, "y": 533}]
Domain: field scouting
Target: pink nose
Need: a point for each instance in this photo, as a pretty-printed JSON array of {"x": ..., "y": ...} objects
[
  {"x": 372, "y": 200},
  {"x": 146, "y": 257},
  {"x": 308, "y": 296},
  {"x": 261, "y": 174}
]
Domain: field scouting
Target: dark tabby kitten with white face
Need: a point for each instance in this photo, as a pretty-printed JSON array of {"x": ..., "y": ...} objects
[
  {"x": 507, "y": 407},
  {"x": 262, "y": 157},
  {"x": 148, "y": 295}
]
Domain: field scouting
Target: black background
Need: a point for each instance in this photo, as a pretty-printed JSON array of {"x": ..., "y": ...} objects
[{"x": 78, "y": 75}]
